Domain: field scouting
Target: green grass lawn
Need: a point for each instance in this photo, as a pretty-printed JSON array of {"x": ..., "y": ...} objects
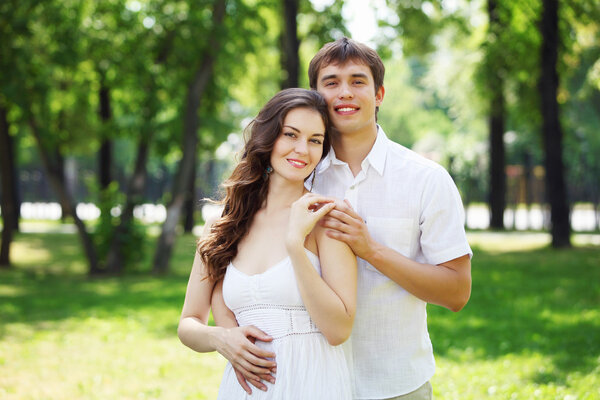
[{"x": 530, "y": 331}]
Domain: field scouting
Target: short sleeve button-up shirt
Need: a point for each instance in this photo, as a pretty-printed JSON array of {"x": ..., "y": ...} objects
[{"x": 411, "y": 205}]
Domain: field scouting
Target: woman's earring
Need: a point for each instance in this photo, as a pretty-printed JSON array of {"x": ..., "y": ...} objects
[{"x": 267, "y": 172}]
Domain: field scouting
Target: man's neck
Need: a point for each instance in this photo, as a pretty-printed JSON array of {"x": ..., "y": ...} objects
[{"x": 353, "y": 148}]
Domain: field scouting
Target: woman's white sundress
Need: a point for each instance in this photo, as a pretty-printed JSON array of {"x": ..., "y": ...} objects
[{"x": 308, "y": 367}]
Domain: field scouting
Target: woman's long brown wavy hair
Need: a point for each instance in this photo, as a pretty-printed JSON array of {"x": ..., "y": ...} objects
[{"x": 246, "y": 189}]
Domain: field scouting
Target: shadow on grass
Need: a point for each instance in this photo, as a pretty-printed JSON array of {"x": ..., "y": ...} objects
[
  {"x": 543, "y": 302},
  {"x": 49, "y": 284}
]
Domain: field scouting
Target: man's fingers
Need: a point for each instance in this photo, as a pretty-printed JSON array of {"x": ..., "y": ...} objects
[
  {"x": 335, "y": 224},
  {"x": 260, "y": 354},
  {"x": 267, "y": 377},
  {"x": 347, "y": 208},
  {"x": 258, "y": 384},
  {"x": 244, "y": 369},
  {"x": 337, "y": 235},
  {"x": 242, "y": 381},
  {"x": 341, "y": 216},
  {"x": 253, "y": 331},
  {"x": 260, "y": 362}
]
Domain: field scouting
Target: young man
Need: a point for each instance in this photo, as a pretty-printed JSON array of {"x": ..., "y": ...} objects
[{"x": 402, "y": 216}]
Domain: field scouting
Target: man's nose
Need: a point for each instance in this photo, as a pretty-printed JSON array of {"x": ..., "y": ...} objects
[{"x": 345, "y": 91}]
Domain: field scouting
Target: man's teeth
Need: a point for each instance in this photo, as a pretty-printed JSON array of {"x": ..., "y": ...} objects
[{"x": 346, "y": 109}]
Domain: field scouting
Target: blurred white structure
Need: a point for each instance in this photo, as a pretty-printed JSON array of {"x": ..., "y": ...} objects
[{"x": 583, "y": 218}]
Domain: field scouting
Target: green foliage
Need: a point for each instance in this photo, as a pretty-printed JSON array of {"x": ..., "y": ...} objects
[{"x": 133, "y": 238}]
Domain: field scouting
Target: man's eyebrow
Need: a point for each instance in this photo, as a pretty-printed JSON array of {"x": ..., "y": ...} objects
[
  {"x": 356, "y": 75},
  {"x": 330, "y": 76}
]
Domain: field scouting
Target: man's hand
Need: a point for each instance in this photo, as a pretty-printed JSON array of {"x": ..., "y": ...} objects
[
  {"x": 250, "y": 362},
  {"x": 344, "y": 224},
  {"x": 258, "y": 384}
]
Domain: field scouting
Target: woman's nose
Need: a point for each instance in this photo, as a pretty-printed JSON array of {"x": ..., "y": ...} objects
[{"x": 301, "y": 147}]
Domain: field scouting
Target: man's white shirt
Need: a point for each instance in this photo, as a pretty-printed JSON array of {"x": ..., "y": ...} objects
[{"x": 411, "y": 205}]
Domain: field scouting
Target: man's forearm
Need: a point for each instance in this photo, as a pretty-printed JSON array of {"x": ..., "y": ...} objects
[{"x": 447, "y": 284}]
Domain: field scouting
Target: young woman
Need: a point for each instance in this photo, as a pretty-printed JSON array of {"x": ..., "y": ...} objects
[{"x": 288, "y": 291}]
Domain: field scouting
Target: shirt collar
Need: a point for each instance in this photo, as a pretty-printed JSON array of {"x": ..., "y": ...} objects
[
  {"x": 375, "y": 158},
  {"x": 378, "y": 153}
]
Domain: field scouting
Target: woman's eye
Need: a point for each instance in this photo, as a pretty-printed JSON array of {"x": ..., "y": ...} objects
[
  {"x": 316, "y": 141},
  {"x": 289, "y": 134}
]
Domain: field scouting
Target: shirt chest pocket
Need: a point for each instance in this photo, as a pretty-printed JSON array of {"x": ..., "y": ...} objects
[{"x": 395, "y": 233}]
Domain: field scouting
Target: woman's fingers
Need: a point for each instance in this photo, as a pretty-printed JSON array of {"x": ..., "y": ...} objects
[{"x": 324, "y": 210}]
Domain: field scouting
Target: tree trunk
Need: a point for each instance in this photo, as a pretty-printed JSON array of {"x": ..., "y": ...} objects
[
  {"x": 135, "y": 191},
  {"x": 527, "y": 176},
  {"x": 497, "y": 198},
  {"x": 190, "y": 202},
  {"x": 59, "y": 171},
  {"x": 105, "y": 153},
  {"x": 551, "y": 128},
  {"x": 8, "y": 204},
  {"x": 497, "y": 194},
  {"x": 55, "y": 172},
  {"x": 290, "y": 60},
  {"x": 185, "y": 167}
]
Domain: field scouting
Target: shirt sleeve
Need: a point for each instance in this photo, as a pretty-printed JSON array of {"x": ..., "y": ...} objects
[{"x": 442, "y": 220}]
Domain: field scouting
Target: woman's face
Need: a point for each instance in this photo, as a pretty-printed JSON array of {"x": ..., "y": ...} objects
[{"x": 299, "y": 147}]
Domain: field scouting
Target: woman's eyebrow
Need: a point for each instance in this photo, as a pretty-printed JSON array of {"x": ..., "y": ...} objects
[{"x": 291, "y": 127}]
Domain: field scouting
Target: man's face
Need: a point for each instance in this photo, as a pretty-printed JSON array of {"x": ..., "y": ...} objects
[{"x": 349, "y": 90}]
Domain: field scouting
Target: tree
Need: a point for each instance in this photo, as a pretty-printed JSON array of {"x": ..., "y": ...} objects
[
  {"x": 290, "y": 59},
  {"x": 195, "y": 91},
  {"x": 551, "y": 127},
  {"x": 105, "y": 153},
  {"x": 8, "y": 179},
  {"x": 144, "y": 72},
  {"x": 41, "y": 81},
  {"x": 495, "y": 73}
]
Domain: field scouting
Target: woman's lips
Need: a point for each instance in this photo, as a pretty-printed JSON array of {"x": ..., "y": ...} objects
[{"x": 297, "y": 163}]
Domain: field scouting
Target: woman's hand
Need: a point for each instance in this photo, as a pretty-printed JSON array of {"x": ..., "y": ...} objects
[{"x": 305, "y": 213}]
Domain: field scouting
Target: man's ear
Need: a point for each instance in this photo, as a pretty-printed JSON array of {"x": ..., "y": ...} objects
[{"x": 379, "y": 96}]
